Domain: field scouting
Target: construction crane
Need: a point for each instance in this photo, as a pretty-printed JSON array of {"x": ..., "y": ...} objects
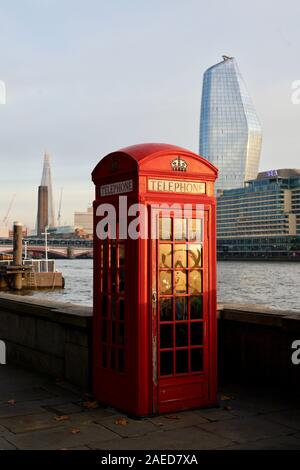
[
  {"x": 5, "y": 219},
  {"x": 59, "y": 208}
]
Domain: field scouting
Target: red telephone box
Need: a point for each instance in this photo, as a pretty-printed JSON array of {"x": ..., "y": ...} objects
[{"x": 155, "y": 334}]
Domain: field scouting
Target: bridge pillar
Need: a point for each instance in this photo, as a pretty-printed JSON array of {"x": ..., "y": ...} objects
[
  {"x": 18, "y": 249},
  {"x": 70, "y": 252}
]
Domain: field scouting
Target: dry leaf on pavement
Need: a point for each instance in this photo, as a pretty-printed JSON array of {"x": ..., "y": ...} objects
[
  {"x": 74, "y": 431},
  {"x": 172, "y": 417},
  {"x": 226, "y": 398},
  {"x": 11, "y": 402},
  {"x": 227, "y": 408},
  {"x": 62, "y": 418},
  {"x": 121, "y": 421},
  {"x": 90, "y": 404}
]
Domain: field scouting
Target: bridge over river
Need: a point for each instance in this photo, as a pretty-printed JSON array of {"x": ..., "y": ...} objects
[{"x": 57, "y": 248}]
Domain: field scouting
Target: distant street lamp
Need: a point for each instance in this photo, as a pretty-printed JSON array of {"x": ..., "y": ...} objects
[{"x": 25, "y": 250}]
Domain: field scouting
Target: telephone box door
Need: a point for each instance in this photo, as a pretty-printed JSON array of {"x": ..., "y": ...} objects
[{"x": 180, "y": 312}]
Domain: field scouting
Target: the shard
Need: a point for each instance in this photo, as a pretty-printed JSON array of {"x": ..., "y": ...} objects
[{"x": 47, "y": 182}]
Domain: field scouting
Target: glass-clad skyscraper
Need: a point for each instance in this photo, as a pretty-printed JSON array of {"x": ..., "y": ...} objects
[{"x": 230, "y": 132}]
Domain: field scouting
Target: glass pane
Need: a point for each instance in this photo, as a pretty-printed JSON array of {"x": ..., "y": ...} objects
[
  {"x": 113, "y": 256},
  {"x": 104, "y": 356},
  {"x": 113, "y": 276},
  {"x": 165, "y": 278},
  {"x": 196, "y": 360},
  {"x": 113, "y": 358},
  {"x": 121, "y": 281},
  {"x": 121, "y": 333},
  {"x": 121, "y": 361},
  {"x": 121, "y": 307},
  {"x": 105, "y": 254},
  {"x": 105, "y": 281},
  {"x": 113, "y": 332},
  {"x": 181, "y": 308},
  {"x": 195, "y": 229},
  {"x": 196, "y": 307},
  {"x": 179, "y": 256},
  {"x": 166, "y": 336},
  {"x": 121, "y": 254},
  {"x": 166, "y": 363},
  {"x": 180, "y": 282},
  {"x": 196, "y": 334},
  {"x": 104, "y": 331},
  {"x": 165, "y": 255},
  {"x": 165, "y": 228},
  {"x": 180, "y": 227},
  {"x": 195, "y": 255},
  {"x": 181, "y": 334},
  {"x": 166, "y": 313},
  {"x": 195, "y": 282},
  {"x": 104, "y": 306},
  {"x": 182, "y": 361},
  {"x": 114, "y": 308}
]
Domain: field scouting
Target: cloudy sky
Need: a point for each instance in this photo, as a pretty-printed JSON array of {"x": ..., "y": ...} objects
[{"x": 85, "y": 77}]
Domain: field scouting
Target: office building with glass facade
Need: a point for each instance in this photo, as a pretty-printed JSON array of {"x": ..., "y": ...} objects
[
  {"x": 261, "y": 219},
  {"x": 230, "y": 132}
]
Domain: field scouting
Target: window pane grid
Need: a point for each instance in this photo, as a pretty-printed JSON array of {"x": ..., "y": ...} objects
[
  {"x": 181, "y": 323},
  {"x": 112, "y": 287}
]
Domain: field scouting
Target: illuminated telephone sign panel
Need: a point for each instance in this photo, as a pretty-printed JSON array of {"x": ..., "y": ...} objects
[{"x": 155, "y": 333}]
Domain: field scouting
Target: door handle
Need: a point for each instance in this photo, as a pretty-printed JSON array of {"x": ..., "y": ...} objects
[{"x": 154, "y": 296}]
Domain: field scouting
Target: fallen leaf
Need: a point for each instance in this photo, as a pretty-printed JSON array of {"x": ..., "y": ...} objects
[
  {"x": 226, "y": 398},
  {"x": 172, "y": 417},
  {"x": 11, "y": 402},
  {"x": 121, "y": 421},
  {"x": 62, "y": 418},
  {"x": 74, "y": 431},
  {"x": 227, "y": 408},
  {"x": 90, "y": 404}
]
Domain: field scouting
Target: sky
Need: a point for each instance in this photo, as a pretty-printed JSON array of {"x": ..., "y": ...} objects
[{"x": 84, "y": 78}]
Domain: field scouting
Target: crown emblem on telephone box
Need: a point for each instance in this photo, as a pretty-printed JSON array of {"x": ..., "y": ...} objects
[{"x": 179, "y": 164}]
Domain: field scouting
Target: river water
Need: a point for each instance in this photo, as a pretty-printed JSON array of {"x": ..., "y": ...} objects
[{"x": 274, "y": 284}]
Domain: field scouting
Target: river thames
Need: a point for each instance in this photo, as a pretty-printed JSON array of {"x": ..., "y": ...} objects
[{"x": 274, "y": 284}]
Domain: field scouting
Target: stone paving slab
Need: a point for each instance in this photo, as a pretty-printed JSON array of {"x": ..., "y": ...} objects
[
  {"x": 2, "y": 429},
  {"x": 178, "y": 420},
  {"x": 64, "y": 408},
  {"x": 65, "y": 437},
  {"x": 29, "y": 394},
  {"x": 5, "y": 445},
  {"x": 251, "y": 403},
  {"x": 241, "y": 430},
  {"x": 55, "y": 404},
  {"x": 216, "y": 414},
  {"x": 246, "y": 419},
  {"x": 132, "y": 427},
  {"x": 290, "y": 418},
  {"x": 176, "y": 439},
  {"x": 34, "y": 422},
  {"x": 273, "y": 443}
]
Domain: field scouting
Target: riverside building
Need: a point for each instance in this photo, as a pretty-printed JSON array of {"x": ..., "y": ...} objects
[{"x": 261, "y": 219}]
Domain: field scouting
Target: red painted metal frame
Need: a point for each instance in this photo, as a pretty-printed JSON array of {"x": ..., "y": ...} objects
[{"x": 135, "y": 390}]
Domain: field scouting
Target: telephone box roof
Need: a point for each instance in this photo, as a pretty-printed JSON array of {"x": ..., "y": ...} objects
[{"x": 144, "y": 151}]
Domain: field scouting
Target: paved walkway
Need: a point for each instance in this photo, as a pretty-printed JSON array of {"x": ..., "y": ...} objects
[{"x": 37, "y": 413}]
